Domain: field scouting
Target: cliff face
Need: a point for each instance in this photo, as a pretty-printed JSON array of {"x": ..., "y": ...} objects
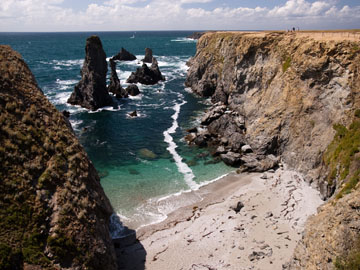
[
  {"x": 296, "y": 97},
  {"x": 53, "y": 211},
  {"x": 288, "y": 90}
]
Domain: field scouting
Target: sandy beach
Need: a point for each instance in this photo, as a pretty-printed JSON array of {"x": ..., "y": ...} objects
[{"x": 244, "y": 221}]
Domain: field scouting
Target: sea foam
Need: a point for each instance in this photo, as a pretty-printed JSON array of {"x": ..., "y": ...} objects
[{"x": 182, "y": 167}]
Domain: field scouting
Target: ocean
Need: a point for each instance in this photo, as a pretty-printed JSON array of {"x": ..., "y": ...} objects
[{"x": 144, "y": 162}]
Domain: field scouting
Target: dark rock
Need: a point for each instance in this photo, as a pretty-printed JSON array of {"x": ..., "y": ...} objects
[
  {"x": 196, "y": 35},
  {"x": 91, "y": 91},
  {"x": 148, "y": 56},
  {"x": 115, "y": 86},
  {"x": 201, "y": 140},
  {"x": 192, "y": 130},
  {"x": 66, "y": 113},
  {"x": 146, "y": 75},
  {"x": 256, "y": 163},
  {"x": 190, "y": 137},
  {"x": 133, "y": 90},
  {"x": 231, "y": 158},
  {"x": 133, "y": 114},
  {"x": 236, "y": 141},
  {"x": 238, "y": 207},
  {"x": 124, "y": 55},
  {"x": 256, "y": 255}
]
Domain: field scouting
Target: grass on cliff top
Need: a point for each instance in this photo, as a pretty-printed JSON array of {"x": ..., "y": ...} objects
[
  {"x": 351, "y": 261},
  {"x": 341, "y": 158}
]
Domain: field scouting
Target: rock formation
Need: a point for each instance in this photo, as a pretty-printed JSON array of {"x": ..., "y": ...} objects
[
  {"x": 146, "y": 75},
  {"x": 132, "y": 90},
  {"x": 91, "y": 91},
  {"x": 53, "y": 211},
  {"x": 196, "y": 35},
  {"x": 286, "y": 96},
  {"x": 115, "y": 86},
  {"x": 124, "y": 55},
  {"x": 148, "y": 56}
]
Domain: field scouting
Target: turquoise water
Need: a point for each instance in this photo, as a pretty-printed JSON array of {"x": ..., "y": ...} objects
[{"x": 140, "y": 160}]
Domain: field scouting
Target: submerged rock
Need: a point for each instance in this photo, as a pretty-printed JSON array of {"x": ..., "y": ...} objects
[
  {"x": 146, "y": 153},
  {"x": 124, "y": 55},
  {"x": 148, "y": 56},
  {"x": 115, "y": 86},
  {"x": 146, "y": 75},
  {"x": 91, "y": 91}
]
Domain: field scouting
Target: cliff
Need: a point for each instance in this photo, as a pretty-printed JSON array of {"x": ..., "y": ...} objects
[
  {"x": 53, "y": 212},
  {"x": 293, "y": 96}
]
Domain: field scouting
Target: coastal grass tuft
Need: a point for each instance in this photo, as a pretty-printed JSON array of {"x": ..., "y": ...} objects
[
  {"x": 286, "y": 64},
  {"x": 341, "y": 157},
  {"x": 351, "y": 261}
]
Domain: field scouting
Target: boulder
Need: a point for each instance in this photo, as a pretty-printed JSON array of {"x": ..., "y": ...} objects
[
  {"x": 238, "y": 207},
  {"x": 91, "y": 91},
  {"x": 231, "y": 158},
  {"x": 214, "y": 113},
  {"x": 148, "y": 56},
  {"x": 133, "y": 90},
  {"x": 133, "y": 114},
  {"x": 124, "y": 55},
  {"x": 246, "y": 149},
  {"x": 146, "y": 75},
  {"x": 115, "y": 86}
]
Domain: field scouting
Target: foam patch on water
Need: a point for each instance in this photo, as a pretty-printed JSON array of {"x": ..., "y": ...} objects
[
  {"x": 107, "y": 108},
  {"x": 61, "y": 98},
  {"x": 76, "y": 123},
  {"x": 68, "y": 63},
  {"x": 182, "y": 167},
  {"x": 184, "y": 40},
  {"x": 66, "y": 84}
]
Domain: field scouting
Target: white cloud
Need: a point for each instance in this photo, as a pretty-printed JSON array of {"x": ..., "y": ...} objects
[{"x": 42, "y": 15}]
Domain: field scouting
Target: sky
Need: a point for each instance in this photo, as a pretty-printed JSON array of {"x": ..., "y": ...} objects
[{"x": 136, "y": 15}]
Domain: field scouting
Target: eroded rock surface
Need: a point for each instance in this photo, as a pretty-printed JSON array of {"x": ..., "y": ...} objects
[
  {"x": 124, "y": 55},
  {"x": 148, "y": 56},
  {"x": 146, "y": 75},
  {"x": 91, "y": 92},
  {"x": 115, "y": 86},
  {"x": 53, "y": 211}
]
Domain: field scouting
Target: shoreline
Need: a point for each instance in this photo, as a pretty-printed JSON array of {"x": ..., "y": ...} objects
[{"x": 209, "y": 233}]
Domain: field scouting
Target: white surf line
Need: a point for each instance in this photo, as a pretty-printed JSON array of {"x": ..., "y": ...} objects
[{"x": 182, "y": 167}]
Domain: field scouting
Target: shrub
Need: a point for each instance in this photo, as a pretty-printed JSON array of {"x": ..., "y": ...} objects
[{"x": 286, "y": 64}]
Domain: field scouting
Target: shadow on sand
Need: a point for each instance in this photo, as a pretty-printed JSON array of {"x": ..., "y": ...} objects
[{"x": 130, "y": 253}]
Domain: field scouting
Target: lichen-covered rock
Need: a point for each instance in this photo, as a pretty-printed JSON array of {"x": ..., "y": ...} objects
[
  {"x": 91, "y": 92},
  {"x": 53, "y": 211},
  {"x": 115, "y": 86},
  {"x": 124, "y": 55},
  {"x": 146, "y": 75}
]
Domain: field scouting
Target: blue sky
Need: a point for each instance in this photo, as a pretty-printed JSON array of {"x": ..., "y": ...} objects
[{"x": 132, "y": 15}]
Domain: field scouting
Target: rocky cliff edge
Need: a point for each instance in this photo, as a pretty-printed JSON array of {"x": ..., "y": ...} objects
[
  {"x": 53, "y": 211},
  {"x": 297, "y": 96}
]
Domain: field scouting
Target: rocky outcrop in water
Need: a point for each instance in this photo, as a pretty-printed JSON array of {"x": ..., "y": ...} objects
[
  {"x": 115, "y": 86},
  {"x": 285, "y": 96},
  {"x": 124, "y": 55},
  {"x": 133, "y": 90},
  {"x": 91, "y": 92},
  {"x": 148, "y": 56},
  {"x": 53, "y": 211},
  {"x": 196, "y": 35},
  {"x": 146, "y": 75}
]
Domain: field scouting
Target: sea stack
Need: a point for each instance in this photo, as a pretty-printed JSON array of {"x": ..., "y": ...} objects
[
  {"x": 115, "y": 86},
  {"x": 146, "y": 75},
  {"x": 124, "y": 55},
  {"x": 148, "y": 56},
  {"x": 91, "y": 91}
]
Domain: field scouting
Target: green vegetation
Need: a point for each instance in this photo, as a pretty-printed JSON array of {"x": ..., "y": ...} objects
[
  {"x": 286, "y": 64},
  {"x": 63, "y": 247},
  {"x": 351, "y": 261},
  {"x": 341, "y": 156}
]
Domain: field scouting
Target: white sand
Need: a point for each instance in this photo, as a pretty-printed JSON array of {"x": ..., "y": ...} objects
[{"x": 210, "y": 235}]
